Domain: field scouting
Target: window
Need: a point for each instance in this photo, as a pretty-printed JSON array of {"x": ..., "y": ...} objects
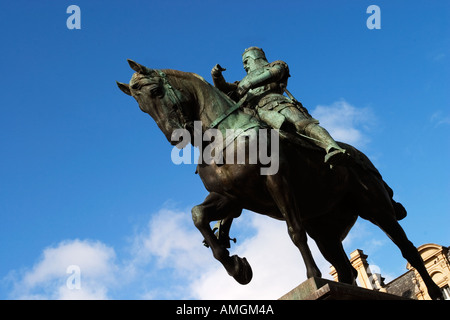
[{"x": 446, "y": 292}]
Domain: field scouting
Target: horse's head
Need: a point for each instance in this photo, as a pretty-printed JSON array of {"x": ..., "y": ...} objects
[{"x": 166, "y": 104}]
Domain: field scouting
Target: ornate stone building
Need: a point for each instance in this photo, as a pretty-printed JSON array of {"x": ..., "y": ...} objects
[{"x": 410, "y": 284}]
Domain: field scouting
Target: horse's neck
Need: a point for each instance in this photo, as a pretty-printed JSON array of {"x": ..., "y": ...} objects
[
  {"x": 213, "y": 104},
  {"x": 209, "y": 102}
]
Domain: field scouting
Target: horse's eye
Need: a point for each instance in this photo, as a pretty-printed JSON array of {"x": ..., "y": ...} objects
[
  {"x": 156, "y": 91},
  {"x": 135, "y": 86}
]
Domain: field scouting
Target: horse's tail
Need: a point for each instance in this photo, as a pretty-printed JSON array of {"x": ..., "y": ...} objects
[
  {"x": 400, "y": 211},
  {"x": 363, "y": 161}
]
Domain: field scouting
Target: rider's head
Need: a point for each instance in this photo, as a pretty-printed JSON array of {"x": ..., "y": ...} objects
[{"x": 253, "y": 57}]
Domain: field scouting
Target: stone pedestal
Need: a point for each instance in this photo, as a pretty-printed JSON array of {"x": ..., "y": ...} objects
[{"x": 323, "y": 289}]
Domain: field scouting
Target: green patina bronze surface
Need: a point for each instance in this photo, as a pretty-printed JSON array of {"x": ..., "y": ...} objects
[{"x": 263, "y": 91}]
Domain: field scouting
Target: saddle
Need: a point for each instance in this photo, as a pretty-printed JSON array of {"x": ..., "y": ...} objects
[{"x": 356, "y": 156}]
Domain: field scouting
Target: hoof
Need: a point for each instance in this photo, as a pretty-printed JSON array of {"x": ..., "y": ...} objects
[
  {"x": 242, "y": 271},
  {"x": 435, "y": 293},
  {"x": 315, "y": 273}
]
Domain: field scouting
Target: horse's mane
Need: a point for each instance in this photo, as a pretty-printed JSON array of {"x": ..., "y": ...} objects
[
  {"x": 179, "y": 79},
  {"x": 177, "y": 76}
]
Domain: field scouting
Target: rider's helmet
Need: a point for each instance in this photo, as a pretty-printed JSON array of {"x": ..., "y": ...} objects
[{"x": 253, "y": 53}]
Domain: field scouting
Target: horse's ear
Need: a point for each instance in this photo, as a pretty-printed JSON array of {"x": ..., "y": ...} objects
[
  {"x": 124, "y": 87},
  {"x": 139, "y": 68}
]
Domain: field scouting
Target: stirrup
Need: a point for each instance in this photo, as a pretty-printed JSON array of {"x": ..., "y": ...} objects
[{"x": 336, "y": 157}]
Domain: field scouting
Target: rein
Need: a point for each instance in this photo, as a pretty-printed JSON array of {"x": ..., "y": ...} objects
[
  {"x": 173, "y": 96},
  {"x": 224, "y": 115}
]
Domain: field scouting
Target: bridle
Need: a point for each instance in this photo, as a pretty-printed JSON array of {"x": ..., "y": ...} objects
[{"x": 174, "y": 99}]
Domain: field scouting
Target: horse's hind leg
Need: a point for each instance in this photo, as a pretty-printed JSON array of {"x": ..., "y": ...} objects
[
  {"x": 281, "y": 193},
  {"x": 332, "y": 250},
  {"x": 389, "y": 224},
  {"x": 217, "y": 207},
  {"x": 298, "y": 236}
]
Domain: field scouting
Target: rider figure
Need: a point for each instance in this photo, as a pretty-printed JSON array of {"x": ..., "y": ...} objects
[{"x": 264, "y": 86}]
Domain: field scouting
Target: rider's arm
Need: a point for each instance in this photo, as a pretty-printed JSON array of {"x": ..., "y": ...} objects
[
  {"x": 261, "y": 77},
  {"x": 219, "y": 80}
]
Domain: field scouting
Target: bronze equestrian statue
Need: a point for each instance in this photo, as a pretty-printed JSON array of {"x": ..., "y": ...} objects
[{"x": 304, "y": 192}]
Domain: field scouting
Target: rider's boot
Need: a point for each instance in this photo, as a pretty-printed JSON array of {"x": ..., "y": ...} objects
[{"x": 335, "y": 154}]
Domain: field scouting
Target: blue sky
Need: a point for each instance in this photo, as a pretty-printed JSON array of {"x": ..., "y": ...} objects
[{"x": 86, "y": 178}]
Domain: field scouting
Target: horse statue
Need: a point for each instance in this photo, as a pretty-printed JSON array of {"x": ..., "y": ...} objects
[{"x": 303, "y": 192}]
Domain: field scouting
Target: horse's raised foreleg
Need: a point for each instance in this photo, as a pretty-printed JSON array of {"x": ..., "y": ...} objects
[
  {"x": 218, "y": 207},
  {"x": 223, "y": 231},
  {"x": 282, "y": 195}
]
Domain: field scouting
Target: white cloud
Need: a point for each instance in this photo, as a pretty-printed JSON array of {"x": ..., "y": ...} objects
[
  {"x": 48, "y": 278},
  {"x": 345, "y": 122},
  {"x": 439, "y": 118},
  {"x": 276, "y": 263},
  {"x": 170, "y": 248},
  {"x": 439, "y": 56},
  {"x": 172, "y": 242},
  {"x": 171, "y": 239},
  {"x": 167, "y": 260}
]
